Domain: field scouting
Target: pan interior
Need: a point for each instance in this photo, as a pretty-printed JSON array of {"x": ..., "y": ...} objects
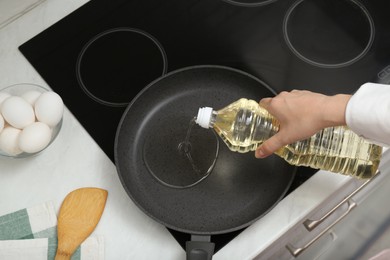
[{"x": 180, "y": 155}]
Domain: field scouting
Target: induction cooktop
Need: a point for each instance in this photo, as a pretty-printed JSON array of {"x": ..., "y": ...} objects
[{"x": 101, "y": 55}]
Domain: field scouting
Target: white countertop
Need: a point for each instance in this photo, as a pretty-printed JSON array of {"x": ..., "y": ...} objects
[{"x": 74, "y": 160}]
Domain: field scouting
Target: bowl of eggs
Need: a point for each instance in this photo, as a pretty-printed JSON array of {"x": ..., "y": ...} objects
[{"x": 30, "y": 119}]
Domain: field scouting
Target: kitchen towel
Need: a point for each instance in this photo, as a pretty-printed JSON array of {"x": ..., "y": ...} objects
[{"x": 31, "y": 233}]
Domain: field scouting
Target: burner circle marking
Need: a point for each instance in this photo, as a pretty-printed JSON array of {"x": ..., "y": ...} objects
[
  {"x": 99, "y": 64},
  {"x": 349, "y": 54},
  {"x": 249, "y": 3}
]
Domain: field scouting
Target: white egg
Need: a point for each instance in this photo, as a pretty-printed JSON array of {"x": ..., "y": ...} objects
[
  {"x": 49, "y": 108},
  {"x": 31, "y": 96},
  {"x": 17, "y": 112},
  {"x": 34, "y": 137},
  {"x": 9, "y": 140},
  {"x": 1, "y": 123},
  {"x": 3, "y": 96}
]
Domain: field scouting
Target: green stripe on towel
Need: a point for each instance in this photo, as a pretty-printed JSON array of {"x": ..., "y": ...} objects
[{"x": 15, "y": 225}]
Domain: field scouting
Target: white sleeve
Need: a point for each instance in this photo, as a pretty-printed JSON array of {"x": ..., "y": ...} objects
[{"x": 368, "y": 113}]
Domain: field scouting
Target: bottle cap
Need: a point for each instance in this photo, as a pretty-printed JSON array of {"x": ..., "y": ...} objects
[{"x": 204, "y": 117}]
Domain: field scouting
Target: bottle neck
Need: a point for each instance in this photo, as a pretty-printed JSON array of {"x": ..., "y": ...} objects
[{"x": 213, "y": 118}]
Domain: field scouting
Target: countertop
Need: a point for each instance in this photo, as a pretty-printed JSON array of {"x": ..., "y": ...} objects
[{"x": 74, "y": 160}]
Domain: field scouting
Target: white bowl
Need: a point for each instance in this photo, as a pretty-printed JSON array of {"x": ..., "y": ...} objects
[{"x": 18, "y": 90}]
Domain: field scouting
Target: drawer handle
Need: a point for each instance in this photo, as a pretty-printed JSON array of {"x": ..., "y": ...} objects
[
  {"x": 311, "y": 224},
  {"x": 297, "y": 251}
]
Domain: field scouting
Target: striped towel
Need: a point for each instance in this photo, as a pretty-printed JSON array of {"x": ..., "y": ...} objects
[{"x": 31, "y": 233}]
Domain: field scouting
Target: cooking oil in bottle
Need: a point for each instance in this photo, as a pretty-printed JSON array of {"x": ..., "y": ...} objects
[{"x": 244, "y": 125}]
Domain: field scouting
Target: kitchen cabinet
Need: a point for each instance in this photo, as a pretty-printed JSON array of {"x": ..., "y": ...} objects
[{"x": 353, "y": 219}]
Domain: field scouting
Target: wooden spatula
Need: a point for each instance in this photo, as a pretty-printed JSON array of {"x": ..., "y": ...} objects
[{"x": 79, "y": 214}]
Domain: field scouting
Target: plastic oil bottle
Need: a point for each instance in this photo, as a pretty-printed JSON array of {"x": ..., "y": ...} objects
[{"x": 244, "y": 125}]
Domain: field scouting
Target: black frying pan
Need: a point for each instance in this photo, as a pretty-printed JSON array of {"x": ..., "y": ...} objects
[{"x": 240, "y": 188}]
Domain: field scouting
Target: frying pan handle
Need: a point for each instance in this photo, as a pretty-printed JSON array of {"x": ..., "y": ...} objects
[{"x": 199, "y": 248}]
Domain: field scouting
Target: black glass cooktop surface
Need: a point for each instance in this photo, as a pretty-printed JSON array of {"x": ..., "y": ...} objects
[{"x": 101, "y": 55}]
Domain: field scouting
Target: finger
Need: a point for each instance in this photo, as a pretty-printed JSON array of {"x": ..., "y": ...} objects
[
  {"x": 264, "y": 102},
  {"x": 269, "y": 147}
]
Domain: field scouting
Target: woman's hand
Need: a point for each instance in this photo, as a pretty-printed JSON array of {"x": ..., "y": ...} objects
[{"x": 301, "y": 114}]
